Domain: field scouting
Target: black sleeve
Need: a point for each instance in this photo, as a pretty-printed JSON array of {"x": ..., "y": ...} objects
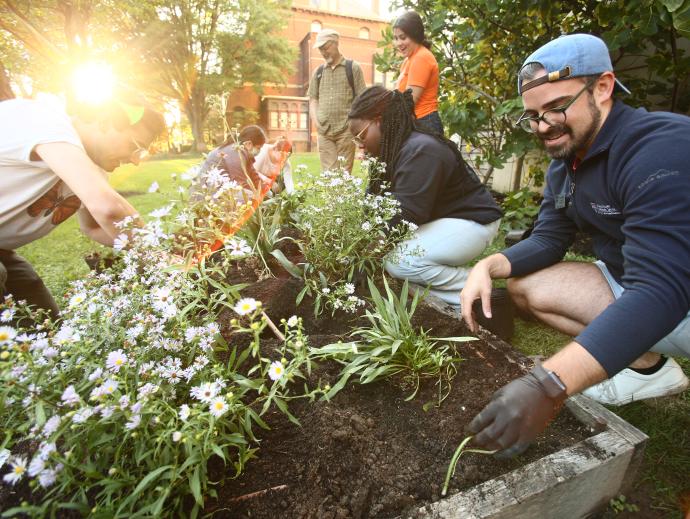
[{"x": 417, "y": 180}]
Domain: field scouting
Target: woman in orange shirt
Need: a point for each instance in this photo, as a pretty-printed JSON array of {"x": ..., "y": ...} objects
[{"x": 419, "y": 70}]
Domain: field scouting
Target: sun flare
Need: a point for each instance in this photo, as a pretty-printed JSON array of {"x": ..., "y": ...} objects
[{"x": 93, "y": 82}]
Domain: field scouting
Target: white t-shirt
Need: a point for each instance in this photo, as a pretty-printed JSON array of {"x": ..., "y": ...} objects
[{"x": 33, "y": 199}]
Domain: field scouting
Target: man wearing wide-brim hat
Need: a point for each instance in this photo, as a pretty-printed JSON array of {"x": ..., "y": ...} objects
[
  {"x": 332, "y": 88},
  {"x": 621, "y": 175}
]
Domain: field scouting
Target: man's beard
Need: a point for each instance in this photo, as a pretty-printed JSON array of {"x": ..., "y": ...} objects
[{"x": 576, "y": 142}]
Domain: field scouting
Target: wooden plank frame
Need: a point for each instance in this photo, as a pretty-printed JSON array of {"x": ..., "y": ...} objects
[{"x": 576, "y": 482}]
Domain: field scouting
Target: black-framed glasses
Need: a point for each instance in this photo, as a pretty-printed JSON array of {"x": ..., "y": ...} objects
[
  {"x": 139, "y": 154},
  {"x": 553, "y": 117},
  {"x": 361, "y": 135}
]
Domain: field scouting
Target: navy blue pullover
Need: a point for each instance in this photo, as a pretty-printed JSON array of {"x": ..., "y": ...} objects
[{"x": 631, "y": 193}]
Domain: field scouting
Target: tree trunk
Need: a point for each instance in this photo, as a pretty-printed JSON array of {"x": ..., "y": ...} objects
[
  {"x": 196, "y": 109},
  {"x": 517, "y": 179},
  {"x": 5, "y": 88}
]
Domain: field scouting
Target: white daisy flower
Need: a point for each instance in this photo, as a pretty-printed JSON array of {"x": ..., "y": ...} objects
[
  {"x": 82, "y": 415},
  {"x": 134, "y": 422},
  {"x": 47, "y": 477},
  {"x": 218, "y": 406},
  {"x": 4, "y": 456},
  {"x": 276, "y": 370},
  {"x": 161, "y": 212},
  {"x": 6, "y": 315},
  {"x": 120, "y": 242},
  {"x": 184, "y": 412},
  {"x": 205, "y": 392},
  {"x": 46, "y": 449},
  {"x": 37, "y": 465},
  {"x": 349, "y": 288},
  {"x": 109, "y": 387},
  {"x": 70, "y": 396},
  {"x": 176, "y": 436},
  {"x": 7, "y": 334},
  {"x": 65, "y": 335},
  {"x": 95, "y": 374},
  {"x": 116, "y": 359},
  {"x": 154, "y": 187},
  {"x": 246, "y": 305},
  {"x": 51, "y": 425},
  {"x": 17, "y": 472},
  {"x": 77, "y": 299},
  {"x": 292, "y": 322}
]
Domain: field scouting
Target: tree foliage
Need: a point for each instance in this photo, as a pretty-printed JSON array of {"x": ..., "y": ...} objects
[
  {"x": 481, "y": 44},
  {"x": 185, "y": 50}
]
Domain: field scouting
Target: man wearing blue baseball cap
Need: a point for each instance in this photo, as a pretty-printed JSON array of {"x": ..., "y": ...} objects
[{"x": 622, "y": 175}]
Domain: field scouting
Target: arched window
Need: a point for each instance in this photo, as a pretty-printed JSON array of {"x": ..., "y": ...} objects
[
  {"x": 364, "y": 33},
  {"x": 316, "y": 26}
]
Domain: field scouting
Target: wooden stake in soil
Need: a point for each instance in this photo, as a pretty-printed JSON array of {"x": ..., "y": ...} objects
[
  {"x": 258, "y": 493},
  {"x": 273, "y": 327}
]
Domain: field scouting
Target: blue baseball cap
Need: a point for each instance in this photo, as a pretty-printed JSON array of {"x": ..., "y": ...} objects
[{"x": 570, "y": 56}]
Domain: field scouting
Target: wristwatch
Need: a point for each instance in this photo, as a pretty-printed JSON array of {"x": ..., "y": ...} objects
[{"x": 552, "y": 384}]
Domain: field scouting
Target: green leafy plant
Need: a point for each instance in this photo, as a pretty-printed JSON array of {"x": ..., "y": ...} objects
[
  {"x": 116, "y": 409},
  {"x": 519, "y": 209},
  {"x": 620, "y": 504},
  {"x": 456, "y": 457},
  {"x": 391, "y": 345},
  {"x": 346, "y": 233},
  {"x": 263, "y": 229}
]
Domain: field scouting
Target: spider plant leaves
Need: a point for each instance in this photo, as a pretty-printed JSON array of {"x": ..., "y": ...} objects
[
  {"x": 288, "y": 265},
  {"x": 390, "y": 345}
]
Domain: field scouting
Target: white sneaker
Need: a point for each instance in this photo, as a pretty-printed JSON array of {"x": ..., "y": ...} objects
[{"x": 628, "y": 385}]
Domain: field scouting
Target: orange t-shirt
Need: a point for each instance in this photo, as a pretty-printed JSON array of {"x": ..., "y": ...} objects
[{"x": 421, "y": 70}]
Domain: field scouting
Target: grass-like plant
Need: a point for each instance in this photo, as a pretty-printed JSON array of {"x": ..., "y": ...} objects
[
  {"x": 391, "y": 345},
  {"x": 456, "y": 457}
]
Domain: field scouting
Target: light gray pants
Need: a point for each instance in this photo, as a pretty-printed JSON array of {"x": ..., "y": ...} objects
[
  {"x": 444, "y": 247},
  {"x": 676, "y": 343}
]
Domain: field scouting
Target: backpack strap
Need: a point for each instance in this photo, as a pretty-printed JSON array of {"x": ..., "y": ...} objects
[
  {"x": 319, "y": 73},
  {"x": 348, "y": 73},
  {"x": 350, "y": 76}
]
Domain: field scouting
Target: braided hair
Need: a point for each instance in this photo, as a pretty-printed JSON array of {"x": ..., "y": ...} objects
[{"x": 396, "y": 110}]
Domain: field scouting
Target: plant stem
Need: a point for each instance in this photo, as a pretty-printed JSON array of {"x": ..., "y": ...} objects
[{"x": 454, "y": 461}]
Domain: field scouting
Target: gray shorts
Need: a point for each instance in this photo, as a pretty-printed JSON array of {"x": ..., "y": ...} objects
[{"x": 676, "y": 343}]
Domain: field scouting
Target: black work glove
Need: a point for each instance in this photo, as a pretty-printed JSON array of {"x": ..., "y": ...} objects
[{"x": 518, "y": 413}]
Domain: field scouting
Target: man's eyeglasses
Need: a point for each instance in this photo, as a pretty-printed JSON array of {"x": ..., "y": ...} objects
[
  {"x": 552, "y": 117},
  {"x": 140, "y": 153},
  {"x": 361, "y": 135}
]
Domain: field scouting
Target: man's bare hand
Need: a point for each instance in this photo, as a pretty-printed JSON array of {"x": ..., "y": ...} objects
[{"x": 478, "y": 286}]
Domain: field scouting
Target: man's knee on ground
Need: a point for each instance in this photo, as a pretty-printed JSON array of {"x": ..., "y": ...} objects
[{"x": 522, "y": 292}]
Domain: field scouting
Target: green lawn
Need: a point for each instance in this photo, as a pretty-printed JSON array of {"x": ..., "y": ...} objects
[{"x": 58, "y": 258}]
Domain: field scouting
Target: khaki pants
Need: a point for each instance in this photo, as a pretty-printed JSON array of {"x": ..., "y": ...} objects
[
  {"x": 18, "y": 277},
  {"x": 332, "y": 147}
]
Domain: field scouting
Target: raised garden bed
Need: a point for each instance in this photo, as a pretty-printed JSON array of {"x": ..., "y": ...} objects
[{"x": 370, "y": 453}]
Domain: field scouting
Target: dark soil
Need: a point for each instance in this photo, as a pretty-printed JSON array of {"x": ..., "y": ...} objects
[{"x": 368, "y": 452}]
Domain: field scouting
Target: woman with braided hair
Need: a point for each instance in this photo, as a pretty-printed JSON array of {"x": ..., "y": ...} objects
[{"x": 457, "y": 217}]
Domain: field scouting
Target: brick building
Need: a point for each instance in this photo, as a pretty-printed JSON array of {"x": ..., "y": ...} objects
[{"x": 285, "y": 110}]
